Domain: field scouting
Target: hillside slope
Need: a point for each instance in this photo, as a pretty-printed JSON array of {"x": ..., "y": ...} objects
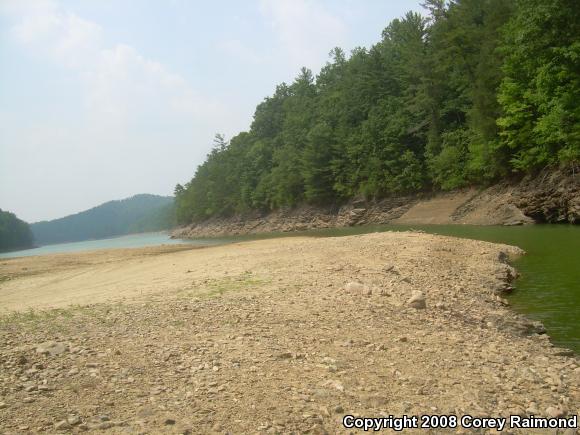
[
  {"x": 551, "y": 196},
  {"x": 14, "y": 233},
  {"x": 139, "y": 213}
]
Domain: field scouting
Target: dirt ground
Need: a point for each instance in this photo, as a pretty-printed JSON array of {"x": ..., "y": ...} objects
[{"x": 273, "y": 336}]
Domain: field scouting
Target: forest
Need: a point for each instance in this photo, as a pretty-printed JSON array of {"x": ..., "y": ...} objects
[
  {"x": 14, "y": 233},
  {"x": 468, "y": 93},
  {"x": 137, "y": 214}
]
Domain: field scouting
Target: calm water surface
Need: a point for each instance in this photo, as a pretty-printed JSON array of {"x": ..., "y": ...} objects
[
  {"x": 130, "y": 241},
  {"x": 548, "y": 289}
]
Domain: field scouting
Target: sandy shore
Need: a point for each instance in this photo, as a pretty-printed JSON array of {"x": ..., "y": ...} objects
[{"x": 271, "y": 336}]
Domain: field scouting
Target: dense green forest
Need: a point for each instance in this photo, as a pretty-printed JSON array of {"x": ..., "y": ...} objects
[
  {"x": 474, "y": 91},
  {"x": 14, "y": 233},
  {"x": 140, "y": 213}
]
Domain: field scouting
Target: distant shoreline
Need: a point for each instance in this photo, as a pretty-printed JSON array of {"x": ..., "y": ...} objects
[{"x": 138, "y": 240}]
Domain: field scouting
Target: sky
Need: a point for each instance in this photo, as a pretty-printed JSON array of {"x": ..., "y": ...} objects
[{"x": 105, "y": 99}]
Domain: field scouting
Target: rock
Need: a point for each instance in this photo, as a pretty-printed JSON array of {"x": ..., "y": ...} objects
[
  {"x": 335, "y": 384},
  {"x": 101, "y": 426},
  {"x": 563, "y": 352},
  {"x": 169, "y": 422},
  {"x": 554, "y": 412},
  {"x": 63, "y": 424},
  {"x": 73, "y": 420},
  {"x": 358, "y": 288},
  {"x": 3, "y": 405},
  {"x": 417, "y": 300},
  {"x": 51, "y": 348}
]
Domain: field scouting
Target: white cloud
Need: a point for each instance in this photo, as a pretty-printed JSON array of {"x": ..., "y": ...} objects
[
  {"x": 307, "y": 30},
  {"x": 138, "y": 126},
  {"x": 120, "y": 82}
]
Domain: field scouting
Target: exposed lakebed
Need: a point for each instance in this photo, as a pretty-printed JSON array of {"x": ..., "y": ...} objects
[{"x": 547, "y": 290}]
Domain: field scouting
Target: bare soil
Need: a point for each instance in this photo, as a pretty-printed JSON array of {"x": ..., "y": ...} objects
[{"x": 271, "y": 336}]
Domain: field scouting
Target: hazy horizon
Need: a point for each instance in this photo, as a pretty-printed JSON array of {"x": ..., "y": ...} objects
[{"x": 102, "y": 100}]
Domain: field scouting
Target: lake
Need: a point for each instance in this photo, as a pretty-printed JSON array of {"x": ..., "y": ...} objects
[
  {"x": 129, "y": 241},
  {"x": 548, "y": 289}
]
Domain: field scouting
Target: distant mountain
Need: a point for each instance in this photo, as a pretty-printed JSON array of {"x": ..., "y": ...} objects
[
  {"x": 14, "y": 233},
  {"x": 140, "y": 213}
]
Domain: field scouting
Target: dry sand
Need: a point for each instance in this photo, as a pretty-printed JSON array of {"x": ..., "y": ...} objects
[{"x": 273, "y": 336}]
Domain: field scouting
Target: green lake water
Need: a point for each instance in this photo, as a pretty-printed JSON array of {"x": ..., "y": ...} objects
[{"x": 548, "y": 289}]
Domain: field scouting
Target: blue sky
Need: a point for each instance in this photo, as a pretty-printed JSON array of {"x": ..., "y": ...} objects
[{"x": 104, "y": 99}]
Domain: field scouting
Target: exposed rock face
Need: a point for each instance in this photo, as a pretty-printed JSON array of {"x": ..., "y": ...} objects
[{"x": 551, "y": 196}]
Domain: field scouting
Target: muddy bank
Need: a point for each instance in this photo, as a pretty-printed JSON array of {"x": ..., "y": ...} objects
[
  {"x": 551, "y": 196},
  {"x": 276, "y": 336}
]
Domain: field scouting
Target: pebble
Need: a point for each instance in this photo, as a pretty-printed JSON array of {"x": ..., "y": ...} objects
[
  {"x": 417, "y": 300},
  {"x": 73, "y": 420},
  {"x": 358, "y": 288},
  {"x": 51, "y": 348},
  {"x": 63, "y": 424},
  {"x": 555, "y": 412}
]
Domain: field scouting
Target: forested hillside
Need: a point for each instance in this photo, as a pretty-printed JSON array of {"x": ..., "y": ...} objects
[
  {"x": 472, "y": 92},
  {"x": 140, "y": 213},
  {"x": 14, "y": 233}
]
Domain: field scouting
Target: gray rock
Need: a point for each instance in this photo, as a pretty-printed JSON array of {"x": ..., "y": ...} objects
[
  {"x": 554, "y": 412},
  {"x": 358, "y": 288},
  {"x": 51, "y": 348},
  {"x": 73, "y": 420},
  {"x": 417, "y": 300},
  {"x": 63, "y": 424}
]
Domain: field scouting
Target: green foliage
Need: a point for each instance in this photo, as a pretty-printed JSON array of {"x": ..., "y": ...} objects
[
  {"x": 140, "y": 213},
  {"x": 540, "y": 91},
  {"x": 14, "y": 233},
  {"x": 473, "y": 91}
]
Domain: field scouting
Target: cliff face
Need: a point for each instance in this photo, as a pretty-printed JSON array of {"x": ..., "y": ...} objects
[{"x": 551, "y": 196}]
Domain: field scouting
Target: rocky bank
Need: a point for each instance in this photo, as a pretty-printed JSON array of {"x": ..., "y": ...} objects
[{"x": 551, "y": 196}]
